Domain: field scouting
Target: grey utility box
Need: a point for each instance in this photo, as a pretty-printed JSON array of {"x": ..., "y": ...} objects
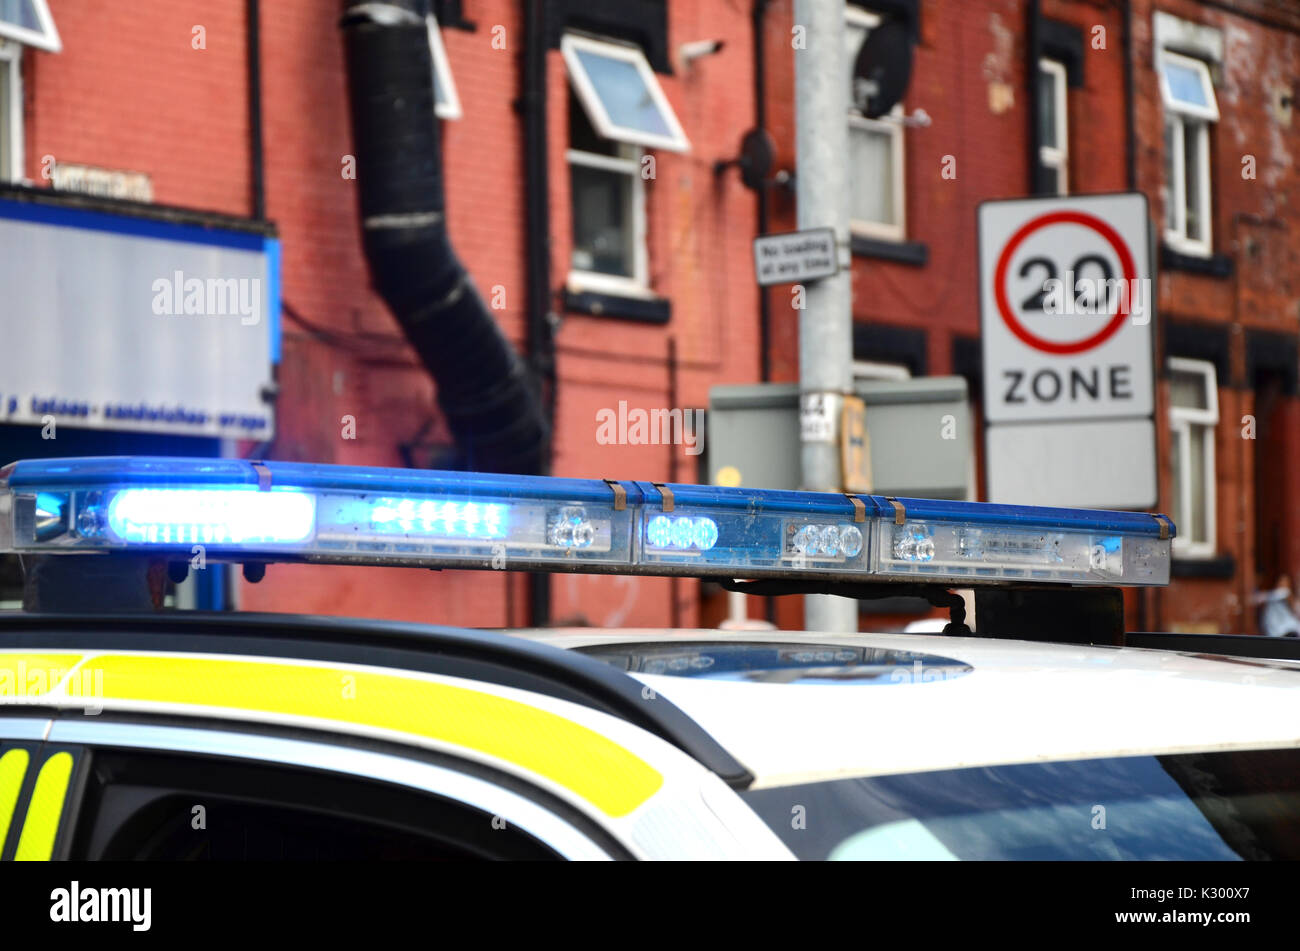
[{"x": 920, "y": 434}]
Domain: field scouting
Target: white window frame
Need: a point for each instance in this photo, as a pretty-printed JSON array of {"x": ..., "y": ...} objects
[
  {"x": 638, "y": 285},
  {"x": 1057, "y": 157},
  {"x": 1182, "y": 117},
  {"x": 897, "y": 231},
  {"x": 894, "y": 128},
  {"x": 46, "y": 38},
  {"x": 1177, "y": 236},
  {"x": 1181, "y": 420},
  {"x": 1208, "y": 113},
  {"x": 450, "y": 109},
  {"x": 11, "y": 61},
  {"x": 571, "y": 44}
]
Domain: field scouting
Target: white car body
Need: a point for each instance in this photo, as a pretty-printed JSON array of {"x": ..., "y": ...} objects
[{"x": 1021, "y": 702}]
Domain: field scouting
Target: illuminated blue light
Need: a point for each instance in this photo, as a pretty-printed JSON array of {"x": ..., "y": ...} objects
[
  {"x": 483, "y": 520},
  {"x": 659, "y": 532},
  {"x": 681, "y": 533},
  {"x": 706, "y": 533},
  {"x": 211, "y": 516}
]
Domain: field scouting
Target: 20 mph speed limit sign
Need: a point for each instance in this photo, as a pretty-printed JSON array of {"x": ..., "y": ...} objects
[{"x": 1067, "y": 300}]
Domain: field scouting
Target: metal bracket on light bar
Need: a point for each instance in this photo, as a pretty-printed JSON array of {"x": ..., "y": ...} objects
[
  {"x": 263, "y": 475},
  {"x": 937, "y": 595},
  {"x": 665, "y": 495}
]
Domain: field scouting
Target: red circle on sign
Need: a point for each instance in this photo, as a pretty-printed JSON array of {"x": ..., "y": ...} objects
[{"x": 1004, "y": 261}]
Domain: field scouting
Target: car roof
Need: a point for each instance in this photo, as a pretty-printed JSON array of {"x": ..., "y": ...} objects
[{"x": 1018, "y": 702}]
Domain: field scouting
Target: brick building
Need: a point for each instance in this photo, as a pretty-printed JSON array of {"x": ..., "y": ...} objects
[
  {"x": 647, "y": 293},
  {"x": 1227, "y": 304}
]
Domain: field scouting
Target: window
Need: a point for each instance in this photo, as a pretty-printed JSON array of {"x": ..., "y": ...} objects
[
  {"x": 1185, "y": 87},
  {"x": 284, "y": 799},
  {"x": 1190, "y": 107},
  {"x": 876, "y": 197},
  {"x": 622, "y": 98},
  {"x": 1193, "y": 415},
  {"x": 609, "y": 252},
  {"x": 446, "y": 104},
  {"x": 1206, "y": 806},
  {"x": 1053, "y": 127},
  {"x": 11, "y": 112},
  {"x": 29, "y": 22},
  {"x": 616, "y": 108}
]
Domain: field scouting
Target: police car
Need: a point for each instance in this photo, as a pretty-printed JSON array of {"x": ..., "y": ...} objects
[{"x": 167, "y": 735}]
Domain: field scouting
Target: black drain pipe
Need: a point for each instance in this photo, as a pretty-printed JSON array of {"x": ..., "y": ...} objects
[
  {"x": 484, "y": 390},
  {"x": 759, "y": 12},
  {"x": 537, "y": 252},
  {"x": 537, "y": 204},
  {"x": 256, "y": 158}
]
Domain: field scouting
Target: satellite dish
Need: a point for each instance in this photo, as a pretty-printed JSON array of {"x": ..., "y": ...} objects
[{"x": 883, "y": 69}]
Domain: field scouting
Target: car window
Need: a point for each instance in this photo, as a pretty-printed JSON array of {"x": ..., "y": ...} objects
[
  {"x": 1208, "y": 806},
  {"x": 167, "y": 806}
]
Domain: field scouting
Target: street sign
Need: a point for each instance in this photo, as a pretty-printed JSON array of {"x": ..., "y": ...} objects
[
  {"x": 1066, "y": 303},
  {"x": 795, "y": 257}
]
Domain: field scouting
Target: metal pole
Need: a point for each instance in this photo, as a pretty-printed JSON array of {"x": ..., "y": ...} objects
[{"x": 826, "y": 322}]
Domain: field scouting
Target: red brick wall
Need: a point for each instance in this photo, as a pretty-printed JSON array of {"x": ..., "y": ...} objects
[
  {"x": 142, "y": 99},
  {"x": 130, "y": 92},
  {"x": 1254, "y": 222}
]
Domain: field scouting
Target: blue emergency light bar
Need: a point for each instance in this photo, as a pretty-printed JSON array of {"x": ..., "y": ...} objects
[{"x": 283, "y": 511}]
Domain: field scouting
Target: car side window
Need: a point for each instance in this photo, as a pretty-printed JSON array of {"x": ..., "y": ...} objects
[{"x": 163, "y": 806}]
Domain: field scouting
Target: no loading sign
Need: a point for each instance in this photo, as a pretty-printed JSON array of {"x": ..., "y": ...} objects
[{"x": 1066, "y": 303}]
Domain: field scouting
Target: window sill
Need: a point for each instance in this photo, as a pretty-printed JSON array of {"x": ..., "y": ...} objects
[
  {"x": 915, "y": 253},
  {"x": 1213, "y": 265},
  {"x": 650, "y": 310},
  {"x": 1220, "y": 566}
]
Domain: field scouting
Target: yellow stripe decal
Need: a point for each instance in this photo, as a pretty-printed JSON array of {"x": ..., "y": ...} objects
[
  {"x": 605, "y": 774},
  {"x": 13, "y": 767},
  {"x": 32, "y": 675},
  {"x": 36, "y": 844}
]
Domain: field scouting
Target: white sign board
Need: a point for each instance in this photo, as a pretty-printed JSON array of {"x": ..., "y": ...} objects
[
  {"x": 1067, "y": 303},
  {"x": 795, "y": 257},
  {"x": 121, "y": 323},
  {"x": 1103, "y": 464}
]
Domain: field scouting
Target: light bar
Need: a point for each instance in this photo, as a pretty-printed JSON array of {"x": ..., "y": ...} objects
[{"x": 283, "y": 511}]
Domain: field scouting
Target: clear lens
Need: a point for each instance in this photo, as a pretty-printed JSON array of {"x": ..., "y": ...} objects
[
  {"x": 960, "y": 551},
  {"x": 850, "y": 541},
  {"x": 839, "y": 542},
  {"x": 571, "y": 528}
]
